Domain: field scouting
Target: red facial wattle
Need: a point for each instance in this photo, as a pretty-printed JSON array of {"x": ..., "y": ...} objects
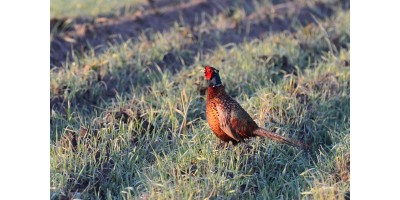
[{"x": 208, "y": 72}]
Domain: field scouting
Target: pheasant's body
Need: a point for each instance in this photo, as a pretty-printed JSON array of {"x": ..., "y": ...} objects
[
  {"x": 228, "y": 120},
  {"x": 237, "y": 117}
]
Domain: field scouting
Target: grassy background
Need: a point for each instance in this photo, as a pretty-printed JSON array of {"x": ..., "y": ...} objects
[
  {"x": 76, "y": 8},
  {"x": 128, "y": 121}
]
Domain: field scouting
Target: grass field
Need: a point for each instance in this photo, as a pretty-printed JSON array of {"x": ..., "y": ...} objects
[{"x": 128, "y": 104}]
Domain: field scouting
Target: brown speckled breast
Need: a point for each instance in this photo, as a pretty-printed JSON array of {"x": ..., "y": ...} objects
[
  {"x": 213, "y": 121},
  {"x": 212, "y": 113},
  {"x": 239, "y": 120}
]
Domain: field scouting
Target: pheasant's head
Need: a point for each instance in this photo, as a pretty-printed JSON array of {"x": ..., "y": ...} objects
[{"x": 212, "y": 76}]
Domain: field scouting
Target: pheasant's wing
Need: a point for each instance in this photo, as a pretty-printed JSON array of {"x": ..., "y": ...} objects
[
  {"x": 224, "y": 122},
  {"x": 241, "y": 121}
]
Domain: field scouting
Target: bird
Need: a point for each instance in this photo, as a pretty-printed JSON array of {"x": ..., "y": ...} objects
[{"x": 228, "y": 120}]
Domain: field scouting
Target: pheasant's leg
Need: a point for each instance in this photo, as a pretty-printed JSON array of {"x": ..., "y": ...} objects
[{"x": 222, "y": 144}]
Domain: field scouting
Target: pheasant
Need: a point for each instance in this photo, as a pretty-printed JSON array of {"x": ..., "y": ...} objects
[{"x": 228, "y": 120}]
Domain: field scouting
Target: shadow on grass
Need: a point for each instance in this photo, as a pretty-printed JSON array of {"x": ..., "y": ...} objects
[{"x": 160, "y": 16}]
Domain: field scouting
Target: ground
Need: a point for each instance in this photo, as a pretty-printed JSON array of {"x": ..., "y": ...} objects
[{"x": 128, "y": 110}]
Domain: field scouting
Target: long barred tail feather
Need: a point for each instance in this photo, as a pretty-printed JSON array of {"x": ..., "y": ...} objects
[{"x": 264, "y": 133}]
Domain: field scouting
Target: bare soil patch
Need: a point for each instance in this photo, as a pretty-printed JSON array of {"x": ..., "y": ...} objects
[{"x": 79, "y": 34}]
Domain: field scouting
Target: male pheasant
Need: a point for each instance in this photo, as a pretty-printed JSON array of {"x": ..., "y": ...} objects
[{"x": 228, "y": 120}]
